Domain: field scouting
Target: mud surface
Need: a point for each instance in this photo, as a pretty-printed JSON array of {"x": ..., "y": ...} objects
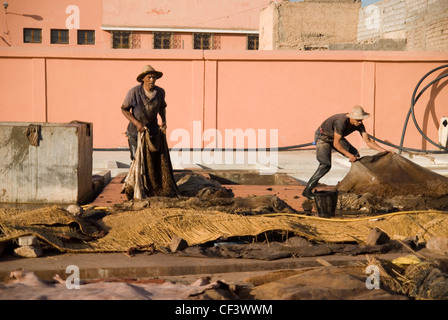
[{"x": 199, "y": 192}]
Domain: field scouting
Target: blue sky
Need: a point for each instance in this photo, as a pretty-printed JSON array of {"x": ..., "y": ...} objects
[
  {"x": 364, "y": 2},
  {"x": 367, "y": 2}
]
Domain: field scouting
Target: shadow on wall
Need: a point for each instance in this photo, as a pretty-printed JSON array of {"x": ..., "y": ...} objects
[{"x": 33, "y": 16}]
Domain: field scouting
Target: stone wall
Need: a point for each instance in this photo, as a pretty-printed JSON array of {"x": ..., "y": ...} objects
[
  {"x": 391, "y": 25},
  {"x": 422, "y": 23},
  {"x": 308, "y": 25}
]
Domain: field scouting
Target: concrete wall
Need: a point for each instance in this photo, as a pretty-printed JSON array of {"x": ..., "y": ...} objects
[
  {"x": 55, "y": 168},
  {"x": 268, "y": 35},
  {"x": 291, "y": 92},
  {"x": 423, "y": 23},
  {"x": 309, "y": 25}
]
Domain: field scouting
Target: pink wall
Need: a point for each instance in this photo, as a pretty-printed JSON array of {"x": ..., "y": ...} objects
[
  {"x": 284, "y": 90},
  {"x": 197, "y": 14}
]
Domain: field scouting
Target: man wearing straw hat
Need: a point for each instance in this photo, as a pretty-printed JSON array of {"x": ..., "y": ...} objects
[
  {"x": 151, "y": 172},
  {"x": 142, "y": 105},
  {"x": 331, "y": 135}
]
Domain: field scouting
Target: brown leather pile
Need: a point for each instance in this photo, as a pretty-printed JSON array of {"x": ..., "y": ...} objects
[
  {"x": 388, "y": 182},
  {"x": 389, "y": 174}
]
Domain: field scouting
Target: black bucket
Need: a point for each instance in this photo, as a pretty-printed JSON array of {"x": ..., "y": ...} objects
[{"x": 326, "y": 202}]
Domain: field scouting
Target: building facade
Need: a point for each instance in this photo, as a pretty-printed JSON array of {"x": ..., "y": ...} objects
[
  {"x": 387, "y": 25},
  {"x": 132, "y": 24},
  {"x": 58, "y": 64},
  {"x": 422, "y": 25},
  {"x": 309, "y": 24}
]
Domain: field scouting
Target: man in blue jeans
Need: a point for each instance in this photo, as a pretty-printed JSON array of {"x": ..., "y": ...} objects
[{"x": 331, "y": 135}]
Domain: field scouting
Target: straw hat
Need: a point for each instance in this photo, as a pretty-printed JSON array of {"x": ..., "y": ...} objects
[
  {"x": 358, "y": 113},
  {"x": 147, "y": 70}
]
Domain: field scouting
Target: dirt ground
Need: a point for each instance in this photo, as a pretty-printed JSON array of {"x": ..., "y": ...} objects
[
  {"x": 378, "y": 184},
  {"x": 382, "y": 184}
]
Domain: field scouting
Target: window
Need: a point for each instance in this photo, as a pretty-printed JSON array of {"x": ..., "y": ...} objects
[
  {"x": 216, "y": 39},
  {"x": 121, "y": 39},
  {"x": 86, "y": 36},
  {"x": 202, "y": 41},
  {"x": 162, "y": 40},
  {"x": 32, "y": 35},
  {"x": 252, "y": 42},
  {"x": 177, "y": 42},
  {"x": 59, "y": 36}
]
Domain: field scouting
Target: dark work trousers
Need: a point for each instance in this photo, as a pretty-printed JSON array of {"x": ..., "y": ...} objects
[
  {"x": 132, "y": 146},
  {"x": 324, "y": 147}
]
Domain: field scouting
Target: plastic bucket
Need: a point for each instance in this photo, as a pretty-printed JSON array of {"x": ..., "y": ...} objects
[{"x": 326, "y": 202}]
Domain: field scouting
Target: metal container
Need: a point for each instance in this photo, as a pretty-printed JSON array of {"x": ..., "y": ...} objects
[{"x": 45, "y": 162}]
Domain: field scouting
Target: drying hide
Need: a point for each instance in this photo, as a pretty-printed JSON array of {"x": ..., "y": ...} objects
[
  {"x": 388, "y": 174},
  {"x": 151, "y": 172}
]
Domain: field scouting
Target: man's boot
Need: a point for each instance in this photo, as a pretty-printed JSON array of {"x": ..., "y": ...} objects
[
  {"x": 308, "y": 193},
  {"x": 312, "y": 183}
]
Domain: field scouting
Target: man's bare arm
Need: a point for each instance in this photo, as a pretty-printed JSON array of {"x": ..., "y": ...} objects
[
  {"x": 135, "y": 122},
  {"x": 372, "y": 144},
  {"x": 340, "y": 148}
]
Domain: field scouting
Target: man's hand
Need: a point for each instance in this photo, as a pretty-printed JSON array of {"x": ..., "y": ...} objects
[
  {"x": 163, "y": 127},
  {"x": 140, "y": 127},
  {"x": 340, "y": 148},
  {"x": 352, "y": 158}
]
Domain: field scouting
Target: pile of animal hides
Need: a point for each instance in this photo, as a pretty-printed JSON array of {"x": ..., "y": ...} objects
[{"x": 388, "y": 182}]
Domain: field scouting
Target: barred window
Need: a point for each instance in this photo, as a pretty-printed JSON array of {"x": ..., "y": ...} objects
[
  {"x": 59, "y": 36},
  {"x": 121, "y": 39},
  {"x": 252, "y": 42},
  {"x": 86, "y": 36},
  {"x": 216, "y": 42},
  {"x": 177, "y": 41},
  {"x": 202, "y": 41},
  {"x": 31, "y": 35},
  {"x": 163, "y": 40}
]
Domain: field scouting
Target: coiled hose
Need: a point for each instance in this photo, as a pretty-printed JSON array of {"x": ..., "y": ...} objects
[
  {"x": 414, "y": 99},
  {"x": 411, "y": 111}
]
